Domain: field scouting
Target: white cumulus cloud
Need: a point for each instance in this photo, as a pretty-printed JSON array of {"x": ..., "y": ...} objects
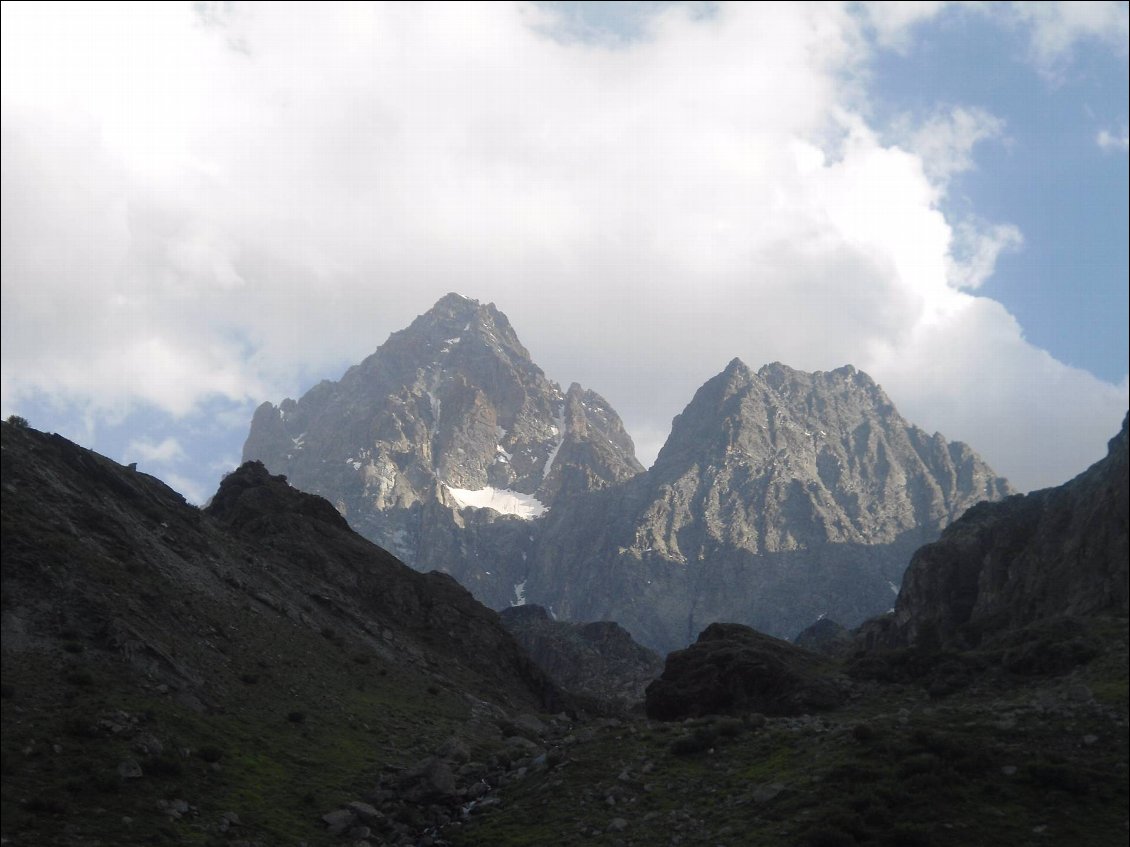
[{"x": 231, "y": 203}]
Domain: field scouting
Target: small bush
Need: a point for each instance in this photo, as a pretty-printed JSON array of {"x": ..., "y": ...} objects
[
  {"x": 863, "y": 733},
  {"x": 701, "y": 740},
  {"x": 296, "y": 717},
  {"x": 41, "y": 805},
  {"x": 827, "y": 837},
  {"x": 210, "y": 753},
  {"x": 80, "y": 678},
  {"x": 108, "y": 782},
  {"x": 161, "y": 766},
  {"x": 729, "y": 727},
  {"x": 79, "y": 728}
]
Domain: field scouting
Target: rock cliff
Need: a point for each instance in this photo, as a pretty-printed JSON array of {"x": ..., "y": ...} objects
[
  {"x": 1029, "y": 558},
  {"x": 780, "y": 496}
]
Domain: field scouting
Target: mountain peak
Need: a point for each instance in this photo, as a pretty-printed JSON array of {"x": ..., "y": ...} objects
[
  {"x": 737, "y": 367},
  {"x": 448, "y": 412}
]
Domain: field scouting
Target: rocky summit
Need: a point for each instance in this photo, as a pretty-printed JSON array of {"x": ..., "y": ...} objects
[
  {"x": 444, "y": 444},
  {"x": 779, "y": 498}
]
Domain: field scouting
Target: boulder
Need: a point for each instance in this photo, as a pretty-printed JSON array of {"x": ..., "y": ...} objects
[{"x": 733, "y": 669}]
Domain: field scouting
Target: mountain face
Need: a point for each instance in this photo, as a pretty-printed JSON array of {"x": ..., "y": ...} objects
[
  {"x": 258, "y": 660},
  {"x": 779, "y": 497},
  {"x": 445, "y": 443},
  {"x": 1060, "y": 552}
]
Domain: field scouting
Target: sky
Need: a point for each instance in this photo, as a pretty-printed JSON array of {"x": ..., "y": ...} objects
[{"x": 210, "y": 205}]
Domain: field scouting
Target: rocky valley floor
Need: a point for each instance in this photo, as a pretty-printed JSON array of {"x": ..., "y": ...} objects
[{"x": 1005, "y": 759}]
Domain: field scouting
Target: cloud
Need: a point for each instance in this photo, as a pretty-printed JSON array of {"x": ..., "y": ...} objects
[
  {"x": 1113, "y": 142},
  {"x": 945, "y": 140},
  {"x": 1057, "y": 29},
  {"x": 278, "y": 191},
  {"x": 975, "y": 249},
  {"x": 164, "y": 452},
  {"x": 894, "y": 23}
]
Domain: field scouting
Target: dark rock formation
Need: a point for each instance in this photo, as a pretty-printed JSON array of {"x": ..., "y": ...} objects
[
  {"x": 599, "y": 660},
  {"x": 178, "y": 674},
  {"x": 780, "y": 496},
  {"x": 1030, "y": 558},
  {"x": 825, "y": 636},
  {"x": 733, "y": 669}
]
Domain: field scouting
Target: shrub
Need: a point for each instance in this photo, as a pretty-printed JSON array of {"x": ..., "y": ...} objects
[
  {"x": 699, "y": 741},
  {"x": 163, "y": 765},
  {"x": 210, "y": 753}
]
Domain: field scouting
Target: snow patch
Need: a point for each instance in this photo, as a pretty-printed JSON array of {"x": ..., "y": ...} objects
[
  {"x": 894, "y": 588},
  {"x": 502, "y": 500},
  {"x": 519, "y": 594},
  {"x": 454, "y": 340}
]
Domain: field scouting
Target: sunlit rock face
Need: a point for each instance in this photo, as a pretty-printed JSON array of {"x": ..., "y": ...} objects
[
  {"x": 446, "y": 444},
  {"x": 779, "y": 498}
]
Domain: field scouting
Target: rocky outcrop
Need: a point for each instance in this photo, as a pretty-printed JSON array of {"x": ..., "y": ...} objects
[
  {"x": 77, "y": 527},
  {"x": 1060, "y": 552},
  {"x": 825, "y": 636},
  {"x": 780, "y": 496},
  {"x": 599, "y": 660},
  {"x": 444, "y": 444},
  {"x": 732, "y": 669}
]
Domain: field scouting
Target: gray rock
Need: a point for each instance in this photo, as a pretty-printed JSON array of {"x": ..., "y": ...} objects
[
  {"x": 339, "y": 821},
  {"x": 454, "y": 750},
  {"x": 530, "y": 725},
  {"x": 365, "y": 811},
  {"x": 129, "y": 769}
]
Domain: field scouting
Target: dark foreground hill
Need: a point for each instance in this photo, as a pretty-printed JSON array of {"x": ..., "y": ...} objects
[
  {"x": 256, "y": 675},
  {"x": 171, "y": 674}
]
